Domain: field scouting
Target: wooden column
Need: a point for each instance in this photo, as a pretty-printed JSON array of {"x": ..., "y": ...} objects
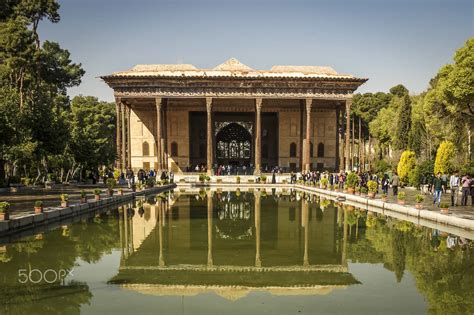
[
  {"x": 258, "y": 135},
  {"x": 307, "y": 151},
  {"x": 159, "y": 159},
  {"x": 347, "y": 131},
  {"x": 352, "y": 144},
  {"x": 359, "y": 147},
  {"x": 209, "y": 135},
  {"x": 128, "y": 111},
  {"x": 258, "y": 260},
  {"x": 118, "y": 135},
  {"x": 124, "y": 148}
]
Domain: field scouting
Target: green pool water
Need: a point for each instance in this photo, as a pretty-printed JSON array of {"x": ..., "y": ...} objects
[{"x": 222, "y": 252}]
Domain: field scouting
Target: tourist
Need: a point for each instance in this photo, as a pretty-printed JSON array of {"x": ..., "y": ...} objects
[
  {"x": 171, "y": 177},
  {"x": 444, "y": 181},
  {"x": 395, "y": 183},
  {"x": 273, "y": 177},
  {"x": 437, "y": 188},
  {"x": 466, "y": 186},
  {"x": 454, "y": 186}
]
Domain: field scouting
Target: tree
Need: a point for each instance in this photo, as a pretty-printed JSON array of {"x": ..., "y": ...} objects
[
  {"x": 444, "y": 158},
  {"x": 399, "y": 90},
  {"x": 403, "y": 123},
  {"x": 406, "y": 165}
]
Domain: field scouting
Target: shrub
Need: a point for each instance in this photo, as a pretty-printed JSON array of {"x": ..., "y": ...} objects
[
  {"x": 372, "y": 186},
  {"x": 208, "y": 179},
  {"x": 352, "y": 180},
  {"x": 110, "y": 183},
  {"x": 324, "y": 181},
  {"x": 97, "y": 191},
  {"x": 64, "y": 197},
  {"x": 150, "y": 182},
  {"x": 4, "y": 206},
  {"x": 26, "y": 181},
  {"x": 357, "y": 189},
  {"x": 401, "y": 195},
  {"x": 363, "y": 190},
  {"x": 406, "y": 165},
  {"x": 419, "y": 198},
  {"x": 263, "y": 178},
  {"x": 38, "y": 203},
  {"x": 381, "y": 166},
  {"x": 117, "y": 174},
  {"x": 202, "y": 178},
  {"x": 444, "y": 158},
  {"x": 238, "y": 179},
  {"x": 444, "y": 205},
  {"x": 83, "y": 193}
]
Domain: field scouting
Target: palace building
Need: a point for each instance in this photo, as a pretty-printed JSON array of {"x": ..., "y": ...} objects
[{"x": 178, "y": 116}]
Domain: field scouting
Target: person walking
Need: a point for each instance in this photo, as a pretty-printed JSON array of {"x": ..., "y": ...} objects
[
  {"x": 437, "y": 188},
  {"x": 395, "y": 183},
  {"x": 465, "y": 184},
  {"x": 454, "y": 186},
  {"x": 385, "y": 183},
  {"x": 444, "y": 181}
]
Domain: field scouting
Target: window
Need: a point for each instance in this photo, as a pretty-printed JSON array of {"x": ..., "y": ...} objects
[
  {"x": 174, "y": 149},
  {"x": 321, "y": 149},
  {"x": 311, "y": 149},
  {"x": 146, "y": 149},
  {"x": 293, "y": 149}
]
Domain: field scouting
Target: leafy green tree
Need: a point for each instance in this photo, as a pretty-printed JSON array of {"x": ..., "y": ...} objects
[
  {"x": 399, "y": 90},
  {"x": 403, "y": 123},
  {"x": 444, "y": 158}
]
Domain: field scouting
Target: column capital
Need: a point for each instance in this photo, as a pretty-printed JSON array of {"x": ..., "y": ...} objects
[
  {"x": 209, "y": 104},
  {"x": 258, "y": 103},
  {"x": 309, "y": 103},
  {"x": 349, "y": 103},
  {"x": 158, "y": 102}
]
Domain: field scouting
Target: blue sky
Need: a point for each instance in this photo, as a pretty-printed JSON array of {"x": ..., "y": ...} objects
[{"x": 389, "y": 42}]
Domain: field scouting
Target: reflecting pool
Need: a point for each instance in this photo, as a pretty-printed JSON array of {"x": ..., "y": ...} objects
[{"x": 236, "y": 252}]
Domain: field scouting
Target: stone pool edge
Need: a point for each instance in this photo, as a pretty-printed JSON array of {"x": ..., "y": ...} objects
[{"x": 53, "y": 214}]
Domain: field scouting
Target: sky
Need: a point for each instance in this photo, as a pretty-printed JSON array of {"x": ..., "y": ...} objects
[{"x": 390, "y": 42}]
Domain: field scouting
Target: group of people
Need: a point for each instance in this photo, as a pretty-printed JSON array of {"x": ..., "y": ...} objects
[{"x": 439, "y": 186}]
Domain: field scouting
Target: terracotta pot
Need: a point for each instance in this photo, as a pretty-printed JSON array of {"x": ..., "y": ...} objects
[
  {"x": 371, "y": 195},
  {"x": 64, "y": 204},
  {"x": 38, "y": 209},
  {"x": 4, "y": 216},
  {"x": 401, "y": 202},
  {"x": 351, "y": 190},
  {"x": 384, "y": 199},
  {"x": 419, "y": 206},
  {"x": 83, "y": 200},
  {"x": 97, "y": 197},
  {"x": 445, "y": 210}
]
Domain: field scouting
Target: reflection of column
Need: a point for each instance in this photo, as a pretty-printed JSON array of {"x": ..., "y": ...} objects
[
  {"x": 158, "y": 104},
  {"x": 258, "y": 135},
  {"x": 125, "y": 221},
  {"x": 132, "y": 249},
  {"x": 210, "y": 208},
  {"x": 121, "y": 234},
  {"x": 118, "y": 135},
  {"x": 307, "y": 157},
  {"x": 344, "y": 243},
  {"x": 161, "y": 259},
  {"x": 209, "y": 135},
  {"x": 305, "y": 215},
  {"x": 347, "y": 131},
  {"x": 258, "y": 261},
  {"x": 128, "y": 111}
]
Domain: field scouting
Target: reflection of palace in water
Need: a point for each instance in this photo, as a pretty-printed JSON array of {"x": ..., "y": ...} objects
[{"x": 232, "y": 243}]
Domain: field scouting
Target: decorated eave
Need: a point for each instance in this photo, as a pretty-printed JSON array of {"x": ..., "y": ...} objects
[
  {"x": 232, "y": 79},
  {"x": 232, "y": 69}
]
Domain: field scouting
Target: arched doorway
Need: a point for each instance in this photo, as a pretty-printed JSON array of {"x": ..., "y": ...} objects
[{"x": 233, "y": 145}]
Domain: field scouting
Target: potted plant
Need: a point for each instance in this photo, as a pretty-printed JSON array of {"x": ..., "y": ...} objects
[
  {"x": 97, "y": 193},
  {"x": 202, "y": 178},
  {"x": 208, "y": 179},
  {"x": 444, "y": 207},
  {"x": 323, "y": 183},
  {"x": 352, "y": 181},
  {"x": 38, "y": 206},
  {"x": 120, "y": 192},
  {"x": 419, "y": 199},
  {"x": 64, "y": 200},
  {"x": 357, "y": 190},
  {"x": 344, "y": 188},
  {"x": 4, "y": 210},
  {"x": 83, "y": 196},
  {"x": 401, "y": 198},
  {"x": 263, "y": 178},
  {"x": 384, "y": 197},
  {"x": 336, "y": 187},
  {"x": 372, "y": 186},
  {"x": 363, "y": 191},
  {"x": 237, "y": 179},
  {"x": 110, "y": 185}
]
